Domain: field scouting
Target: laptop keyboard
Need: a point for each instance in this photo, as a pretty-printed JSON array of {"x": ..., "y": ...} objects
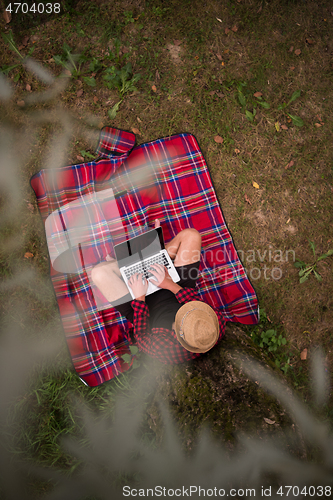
[{"x": 143, "y": 267}]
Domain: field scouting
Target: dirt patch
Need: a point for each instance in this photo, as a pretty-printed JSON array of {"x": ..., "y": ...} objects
[{"x": 175, "y": 52}]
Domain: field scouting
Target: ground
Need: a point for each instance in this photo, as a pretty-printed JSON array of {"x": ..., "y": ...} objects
[{"x": 221, "y": 70}]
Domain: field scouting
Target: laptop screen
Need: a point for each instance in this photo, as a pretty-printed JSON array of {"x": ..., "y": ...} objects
[{"x": 140, "y": 247}]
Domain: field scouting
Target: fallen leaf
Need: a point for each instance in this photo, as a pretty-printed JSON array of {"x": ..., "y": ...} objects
[
  {"x": 288, "y": 221},
  {"x": 304, "y": 354},
  {"x": 28, "y": 87},
  {"x": 292, "y": 68},
  {"x": 154, "y": 89},
  {"x": 297, "y": 52},
  {"x": 320, "y": 119},
  {"x": 95, "y": 99},
  {"x": 80, "y": 158},
  {"x": 212, "y": 92},
  {"x": 269, "y": 421},
  {"x": 20, "y": 103},
  {"x": 219, "y": 20},
  {"x": 7, "y": 16},
  {"x": 277, "y": 126},
  {"x": 219, "y": 57},
  {"x": 290, "y": 164},
  {"x": 136, "y": 131},
  {"x": 226, "y": 51},
  {"x": 226, "y": 31},
  {"x": 222, "y": 63},
  {"x": 139, "y": 119},
  {"x": 79, "y": 93},
  {"x": 28, "y": 255},
  {"x": 284, "y": 127},
  {"x": 291, "y": 48},
  {"x": 318, "y": 124},
  {"x": 254, "y": 184},
  {"x": 247, "y": 199},
  {"x": 218, "y": 139},
  {"x": 100, "y": 125},
  {"x": 25, "y": 41},
  {"x": 234, "y": 29},
  {"x": 257, "y": 94},
  {"x": 157, "y": 75},
  {"x": 237, "y": 151},
  {"x": 177, "y": 42},
  {"x": 309, "y": 41},
  {"x": 219, "y": 94}
]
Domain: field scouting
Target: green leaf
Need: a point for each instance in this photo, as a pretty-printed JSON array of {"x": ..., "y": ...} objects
[
  {"x": 66, "y": 48},
  {"x": 295, "y": 95},
  {"x": 317, "y": 275},
  {"x": 134, "y": 350},
  {"x": 296, "y": 120},
  {"x": 127, "y": 358},
  {"x": 113, "y": 112},
  {"x": 89, "y": 81},
  {"x": 264, "y": 105},
  {"x": 86, "y": 154},
  {"x": 135, "y": 364},
  {"x": 304, "y": 278},
  {"x": 330, "y": 252},
  {"x": 299, "y": 264},
  {"x": 305, "y": 271},
  {"x": 249, "y": 115},
  {"x": 17, "y": 77},
  {"x": 269, "y": 333},
  {"x": 282, "y": 106},
  {"x": 58, "y": 60},
  {"x": 9, "y": 39},
  {"x": 283, "y": 341},
  {"x": 241, "y": 98},
  {"x": 95, "y": 65},
  {"x": 277, "y": 362},
  {"x": 312, "y": 246},
  {"x": 6, "y": 69}
]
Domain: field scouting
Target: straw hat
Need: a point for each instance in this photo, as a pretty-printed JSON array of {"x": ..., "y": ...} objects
[{"x": 197, "y": 326}]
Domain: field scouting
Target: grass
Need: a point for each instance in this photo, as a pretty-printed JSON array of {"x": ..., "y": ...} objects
[{"x": 179, "y": 47}]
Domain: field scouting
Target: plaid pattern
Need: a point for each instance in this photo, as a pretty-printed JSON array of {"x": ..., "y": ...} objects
[
  {"x": 162, "y": 343},
  {"x": 166, "y": 179}
]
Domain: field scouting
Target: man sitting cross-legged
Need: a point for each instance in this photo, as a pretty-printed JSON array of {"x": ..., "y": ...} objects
[{"x": 173, "y": 324}]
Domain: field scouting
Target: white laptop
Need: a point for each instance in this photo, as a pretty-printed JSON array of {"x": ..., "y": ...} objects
[{"x": 139, "y": 253}]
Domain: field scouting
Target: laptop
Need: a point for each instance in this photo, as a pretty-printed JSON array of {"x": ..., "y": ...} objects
[{"x": 137, "y": 254}]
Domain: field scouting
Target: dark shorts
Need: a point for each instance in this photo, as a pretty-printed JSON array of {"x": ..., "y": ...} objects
[{"x": 188, "y": 278}]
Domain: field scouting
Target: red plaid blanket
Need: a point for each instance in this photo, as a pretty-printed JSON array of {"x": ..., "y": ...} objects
[{"x": 109, "y": 200}]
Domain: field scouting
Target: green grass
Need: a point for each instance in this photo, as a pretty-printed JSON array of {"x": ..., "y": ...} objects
[{"x": 257, "y": 54}]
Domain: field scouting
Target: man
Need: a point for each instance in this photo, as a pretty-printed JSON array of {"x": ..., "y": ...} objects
[{"x": 173, "y": 324}]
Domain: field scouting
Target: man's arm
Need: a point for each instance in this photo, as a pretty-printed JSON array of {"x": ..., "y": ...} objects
[{"x": 174, "y": 288}]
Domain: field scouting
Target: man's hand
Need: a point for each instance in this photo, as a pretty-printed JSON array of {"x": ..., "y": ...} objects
[
  {"x": 139, "y": 286},
  {"x": 162, "y": 278}
]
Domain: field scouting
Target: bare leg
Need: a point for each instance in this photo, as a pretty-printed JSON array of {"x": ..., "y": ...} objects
[
  {"x": 106, "y": 276},
  {"x": 185, "y": 247}
]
